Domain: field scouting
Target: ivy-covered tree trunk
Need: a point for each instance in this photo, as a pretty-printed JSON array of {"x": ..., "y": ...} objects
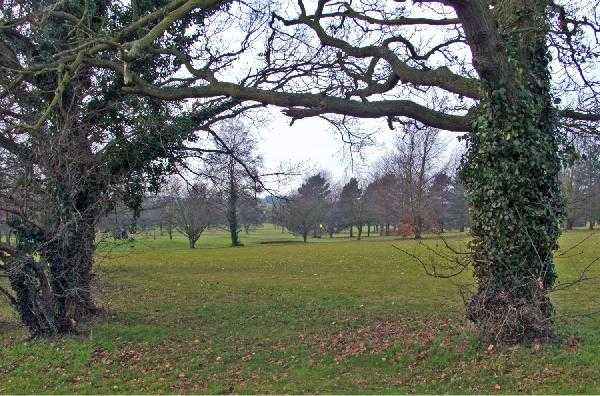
[
  {"x": 71, "y": 260},
  {"x": 50, "y": 268},
  {"x": 69, "y": 252},
  {"x": 511, "y": 174},
  {"x": 52, "y": 278}
]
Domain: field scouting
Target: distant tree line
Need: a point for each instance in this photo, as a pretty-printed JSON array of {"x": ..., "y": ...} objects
[
  {"x": 581, "y": 186},
  {"x": 410, "y": 192},
  {"x": 222, "y": 194}
]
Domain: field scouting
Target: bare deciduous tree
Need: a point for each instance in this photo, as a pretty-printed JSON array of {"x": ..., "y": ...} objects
[
  {"x": 235, "y": 175},
  {"x": 415, "y": 163},
  {"x": 194, "y": 212}
]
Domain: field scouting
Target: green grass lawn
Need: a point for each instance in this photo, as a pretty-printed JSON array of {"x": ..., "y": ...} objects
[{"x": 330, "y": 316}]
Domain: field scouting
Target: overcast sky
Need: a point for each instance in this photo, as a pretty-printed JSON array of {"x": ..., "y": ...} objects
[{"x": 315, "y": 145}]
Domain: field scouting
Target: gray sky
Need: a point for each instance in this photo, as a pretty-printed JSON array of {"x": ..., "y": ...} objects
[{"x": 315, "y": 145}]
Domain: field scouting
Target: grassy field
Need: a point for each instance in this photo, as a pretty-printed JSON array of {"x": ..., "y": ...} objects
[{"x": 286, "y": 317}]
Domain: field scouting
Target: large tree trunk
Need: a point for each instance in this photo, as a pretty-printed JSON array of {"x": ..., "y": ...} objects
[
  {"x": 55, "y": 258},
  {"x": 512, "y": 171},
  {"x": 51, "y": 272},
  {"x": 71, "y": 258},
  {"x": 70, "y": 249}
]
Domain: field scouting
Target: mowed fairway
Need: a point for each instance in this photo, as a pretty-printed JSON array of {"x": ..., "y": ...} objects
[{"x": 324, "y": 317}]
